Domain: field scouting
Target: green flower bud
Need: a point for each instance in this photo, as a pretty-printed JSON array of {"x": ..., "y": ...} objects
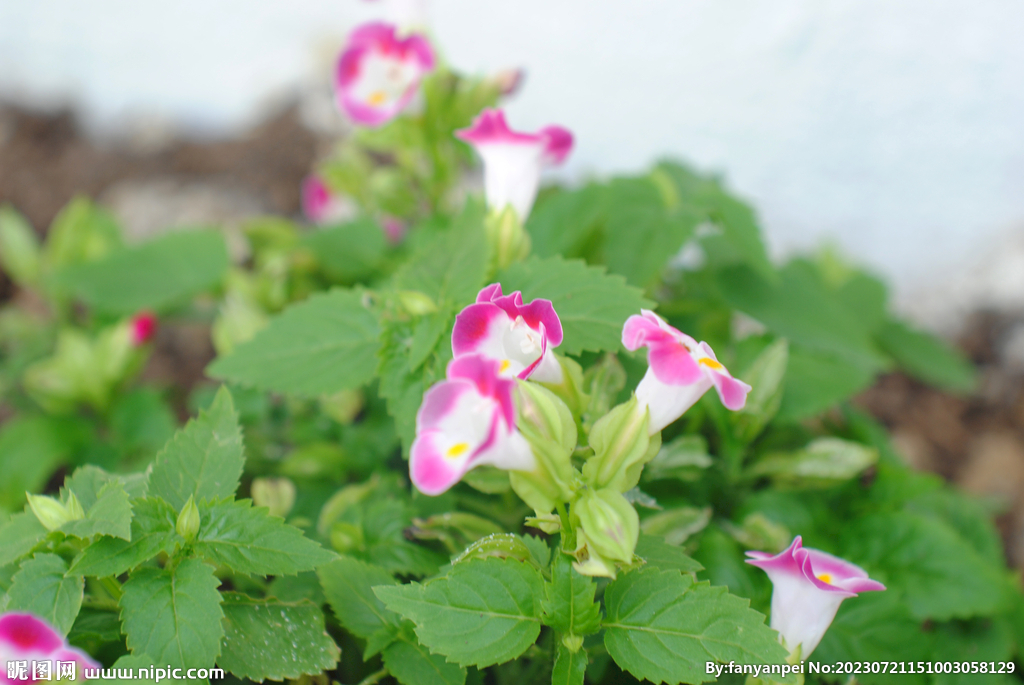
[
  {"x": 621, "y": 448},
  {"x": 347, "y": 537},
  {"x": 74, "y": 508},
  {"x": 19, "y": 248},
  {"x": 277, "y": 494},
  {"x": 570, "y": 390},
  {"x": 572, "y": 642},
  {"x": 51, "y": 513},
  {"x": 344, "y": 406},
  {"x": 509, "y": 241},
  {"x": 548, "y": 425},
  {"x": 602, "y": 382},
  {"x": 416, "y": 303},
  {"x": 188, "y": 520},
  {"x": 339, "y": 503},
  {"x": 609, "y": 524}
]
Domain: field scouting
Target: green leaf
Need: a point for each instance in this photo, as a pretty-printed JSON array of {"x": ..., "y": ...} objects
[
  {"x": 967, "y": 516},
  {"x": 323, "y": 345},
  {"x": 152, "y": 532},
  {"x": 19, "y": 248},
  {"x": 921, "y": 558},
  {"x": 876, "y": 626},
  {"x": 348, "y": 585},
  {"x": 110, "y": 514},
  {"x": 663, "y": 627},
  {"x": 570, "y": 667},
  {"x": 676, "y": 525},
  {"x": 564, "y": 222},
  {"x": 974, "y": 641},
  {"x": 569, "y": 606},
  {"x": 31, "y": 448},
  {"x": 484, "y": 612},
  {"x": 685, "y": 458},
  {"x": 350, "y": 252},
  {"x": 173, "y": 614},
  {"x": 766, "y": 377},
  {"x": 823, "y": 463},
  {"x": 642, "y": 232},
  {"x": 204, "y": 459},
  {"x": 739, "y": 229},
  {"x": 591, "y": 304},
  {"x": 160, "y": 273},
  {"x": 267, "y": 639},
  {"x": 816, "y": 381},
  {"x": 411, "y": 664},
  {"x": 927, "y": 358},
  {"x": 451, "y": 266},
  {"x": 81, "y": 232},
  {"x": 44, "y": 587},
  {"x": 19, "y": 535},
  {"x": 250, "y": 540},
  {"x": 659, "y": 554}
]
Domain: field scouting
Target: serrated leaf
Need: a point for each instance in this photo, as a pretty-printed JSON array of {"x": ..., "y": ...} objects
[
  {"x": 152, "y": 532},
  {"x": 654, "y": 550},
  {"x": 44, "y": 587},
  {"x": 564, "y": 222},
  {"x": 321, "y": 346},
  {"x": 927, "y": 358},
  {"x": 570, "y": 667},
  {"x": 921, "y": 558},
  {"x": 204, "y": 459},
  {"x": 450, "y": 267},
  {"x": 250, "y": 540},
  {"x": 267, "y": 639},
  {"x": 411, "y": 664},
  {"x": 348, "y": 585},
  {"x": 173, "y": 614},
  {"x": 663, "y": 627},
  {"x": 110, "y": 514},
  {"x": 484, "y": 612},
  {"x": 19, "y": 535},
  {"x": 162, "y": 272},
  {"x": 350, "y": 252},
  {"x": 591, "y": 304},
  {"x": 569, "y": 605},
  {"x": 31, "y": 448}
]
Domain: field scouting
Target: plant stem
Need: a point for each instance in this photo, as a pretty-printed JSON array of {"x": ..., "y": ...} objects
[
  {"x": 568, "y": 532},
  {"x": 374, "y": 678}
]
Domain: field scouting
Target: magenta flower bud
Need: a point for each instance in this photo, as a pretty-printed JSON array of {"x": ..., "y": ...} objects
[
  {"x": 143, "y": 328},
  {"x": 521, "y": 337},
  {"x": 680, "y": 370},
  {"x": 809, "y": 585},
  {"x": 378, "y": 74},
  {"x": 27, "y": 638}
]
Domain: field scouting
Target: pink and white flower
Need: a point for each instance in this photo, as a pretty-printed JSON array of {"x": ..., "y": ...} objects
[
  {"x": 808, "y": 587},
  {"x": 512, "y": 160},
  {"x": 521, "y": 337},
  {"x": 465, "y": 421},
  {"x": 680, "y": 370},
  {"x": 25, "y": 638},
  {"x": 378, "y": 73},
  {"x": 322, "y": 206}
]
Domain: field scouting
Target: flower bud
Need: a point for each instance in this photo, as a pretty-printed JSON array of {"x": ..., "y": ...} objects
[
  {"x": 549, "y": 428},
  {"x": 343, "y": 406},
  {"x": 143, "y": 328},
  {"x": 416, "y": 303},
  {"x": 621, "y": 448},
  {"x": 277, "y": 494},
  {"x": 188, "y": 520},
  {"x": 51, "y": 513},
  {"x": 509, "y": 241},
  {"x": 347, "y": 537},
  {"x": 500, "y": 545},
  {"x": 610, "y": 528},
  {"x": 19, "y": 248},
  {"x": 570, "y": 389},
  {"x": 74, "y": 508}
]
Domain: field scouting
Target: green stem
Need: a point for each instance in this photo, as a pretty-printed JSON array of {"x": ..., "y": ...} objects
[
  {"x": 374, "y": 678},
  {"x": 113, "y": 587},
  {"x": 568, "y": 532}
]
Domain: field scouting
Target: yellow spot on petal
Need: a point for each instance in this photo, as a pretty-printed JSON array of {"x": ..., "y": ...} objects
[
  {"x": 377, "y": 97},
  {"x": 457, "y": 450},
  {"x": 710, "y": 363},
  {"x": 825, "y": 578},
  {"x": 504, "y": 365}
]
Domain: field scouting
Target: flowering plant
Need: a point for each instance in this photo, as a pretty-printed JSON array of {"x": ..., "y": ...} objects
[{"x": 466, "y": 434}]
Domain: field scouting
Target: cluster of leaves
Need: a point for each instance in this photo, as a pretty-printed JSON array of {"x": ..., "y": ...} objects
[{"x": 329, "y": 338}]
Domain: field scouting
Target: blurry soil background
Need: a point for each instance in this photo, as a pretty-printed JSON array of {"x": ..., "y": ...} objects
[{"x": 155, "y": 181}]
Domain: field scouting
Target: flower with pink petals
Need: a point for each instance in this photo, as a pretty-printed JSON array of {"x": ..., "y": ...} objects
[
  {"x": 378, "y": 73},
  {"x": 465, "y": 421},
  {"x": 25, "y": 638},
  {"x": 143, "y": 328},
  {"x": 680, "y": 370},
  {"x": 808, "y": 587},
  {"x": 512, "y": 160},
  {"x": 521, "y": 337},
  {"x": 322, "y": 206}
]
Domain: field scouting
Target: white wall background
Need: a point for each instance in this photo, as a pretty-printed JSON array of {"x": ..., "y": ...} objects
[{"x": 895, "y": 127}]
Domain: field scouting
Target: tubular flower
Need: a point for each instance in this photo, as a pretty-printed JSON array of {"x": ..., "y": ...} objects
[
  {"x": 378, "y": 73},
  {"x": 520, "y": 337},
  {"x": 679, "y": 371},
  {"x": 513, "y": 161},
  {"x": 25, "y": 638},
  {"x": 465, "y": 421},
  {"x": 809, "y": 585}
]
